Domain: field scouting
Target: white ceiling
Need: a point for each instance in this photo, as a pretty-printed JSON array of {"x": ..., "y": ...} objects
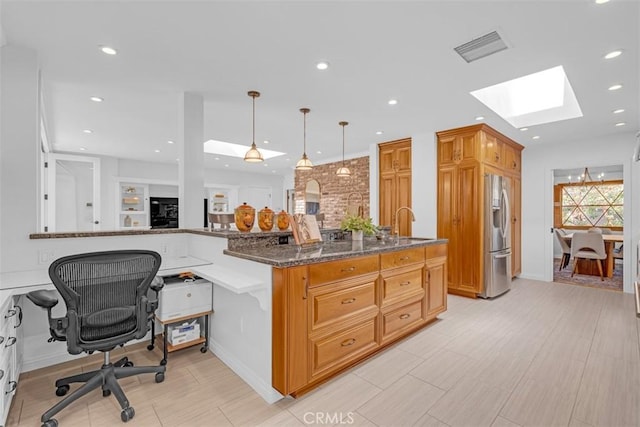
[{"x": 377, "y": 50}]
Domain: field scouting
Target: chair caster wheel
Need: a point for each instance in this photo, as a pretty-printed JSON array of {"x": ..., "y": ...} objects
[
  {"x": 61, "y": 391},
  {"x": 52, "y": 422},
  {"x": 128, "y": 364},
  {"x": 203, "y": 349},
  {"x": 127, "y": 414},
  {"x": 150, "y": 347},
  {"x": 106, "y": 393},
  {"x": 159, "y": 377},
  {"x": 163, "y": 362}
]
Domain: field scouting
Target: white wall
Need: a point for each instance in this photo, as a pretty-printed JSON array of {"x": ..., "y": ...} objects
[
  {"x": 243, "y": 180},
  {"x": 538, "y": 163},
  {"x": 19, "y": 139}
]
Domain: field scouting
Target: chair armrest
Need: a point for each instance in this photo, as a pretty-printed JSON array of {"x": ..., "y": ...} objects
[
  {"x": 157, "y": 284},
  {"x": 42, "y": 298}
]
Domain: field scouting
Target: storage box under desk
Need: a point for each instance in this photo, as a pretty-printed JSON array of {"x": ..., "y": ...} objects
[{"x": 180, "y": 298}]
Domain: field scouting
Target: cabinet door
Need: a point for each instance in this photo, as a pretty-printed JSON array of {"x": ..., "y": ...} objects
[
  {"x": 516, "y": 228},
  {"x": 447, "y": 150},
  {"x": 289, "y": 323},
  {"x": 492, "y": 149},
  {"x": 387, "y": 163},
  {"x": 511, "y": 158},
  {"x": 403, "y": 192},
  {"x": 468, "y": 146},
  {"x": 468, "y": 241},
  {"x": 387, "y": 199},
  {"x": 436, "y": 285},
  {"x": 447, "y": 197}
]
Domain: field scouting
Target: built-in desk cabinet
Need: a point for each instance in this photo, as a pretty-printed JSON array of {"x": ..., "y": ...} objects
[
  {"x": 11, "y": 345},
  {"x": 328, "y": 316}
]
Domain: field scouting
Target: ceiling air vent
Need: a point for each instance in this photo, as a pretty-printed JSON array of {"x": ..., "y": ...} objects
[{"x": 482, "y": 46}]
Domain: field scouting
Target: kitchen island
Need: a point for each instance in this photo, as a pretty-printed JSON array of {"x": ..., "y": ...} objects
[{"x": 336, "y": 304}]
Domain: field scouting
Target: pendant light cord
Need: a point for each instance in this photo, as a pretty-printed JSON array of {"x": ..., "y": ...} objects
[
  {"x": 304, "y": 134},
  {"x": 343, "y": 145},
  {"x": 253, "y": 138}
]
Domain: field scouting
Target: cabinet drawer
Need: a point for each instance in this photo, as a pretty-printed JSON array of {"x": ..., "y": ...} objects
[
  {"x": 395, "y": 322},
  {"x": 435, "y": 251},
  {"x": 338, "y": 349},
  {"x": 333, "y": 304},
  {"x": 400, "y": 286},
  {"x": 400, "y": 258},
  {"x": 332, "y": 271}
]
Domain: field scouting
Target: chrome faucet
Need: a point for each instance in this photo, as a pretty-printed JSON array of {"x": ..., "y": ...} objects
[{"x": 396, "y": 229}]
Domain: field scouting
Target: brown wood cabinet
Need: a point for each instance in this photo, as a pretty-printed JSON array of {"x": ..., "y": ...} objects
[
  {"x": 395, "y": 183},
  {"x": 464, "y": 156},
  {"x": 329, "y": 316}
]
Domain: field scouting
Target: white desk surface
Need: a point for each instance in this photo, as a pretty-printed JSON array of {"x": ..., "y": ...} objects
[{"x": 25, "y": 281}]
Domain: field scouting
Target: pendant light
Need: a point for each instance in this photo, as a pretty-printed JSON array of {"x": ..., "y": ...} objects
[
  {"x": 343, "y": 171},
  {"x": 253, "y": 155},
  {"x": 304, "y": 164}
]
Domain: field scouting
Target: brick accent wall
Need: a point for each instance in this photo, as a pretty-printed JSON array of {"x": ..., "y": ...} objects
[{"x": 334, "y": 190}]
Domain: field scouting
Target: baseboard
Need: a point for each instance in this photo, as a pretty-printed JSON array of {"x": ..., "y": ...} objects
[{"x": 268, "y": 393}]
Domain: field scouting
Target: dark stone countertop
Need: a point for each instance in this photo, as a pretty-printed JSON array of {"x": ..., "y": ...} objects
[{"x": 292, "y": 255}]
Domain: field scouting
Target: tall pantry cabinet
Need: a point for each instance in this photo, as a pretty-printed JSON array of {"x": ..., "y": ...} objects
[
  {"x": 464, "y": 156},
  {"x": 395, "y": 183}
]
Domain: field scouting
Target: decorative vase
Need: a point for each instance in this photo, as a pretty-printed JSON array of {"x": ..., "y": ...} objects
[
  {"x": 265, "y": 219},
  {"x": 245, "y": 215},
  {"x": 357, "y": 235},
  {"x": 283, "y": 220}
]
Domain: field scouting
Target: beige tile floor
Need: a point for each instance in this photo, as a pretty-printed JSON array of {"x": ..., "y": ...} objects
[{"x": 543, "y": 354}]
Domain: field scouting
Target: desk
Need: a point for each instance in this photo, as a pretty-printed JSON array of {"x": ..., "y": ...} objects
[{"x": 609, "y": 241}]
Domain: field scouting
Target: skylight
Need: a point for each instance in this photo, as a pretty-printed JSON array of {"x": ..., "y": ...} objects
[
  {"x": 235, "y": 150},
  {"x": 535, "y": 99}
]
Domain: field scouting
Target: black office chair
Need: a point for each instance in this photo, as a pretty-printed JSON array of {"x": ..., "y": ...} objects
[{"x": 106, "y": 294}]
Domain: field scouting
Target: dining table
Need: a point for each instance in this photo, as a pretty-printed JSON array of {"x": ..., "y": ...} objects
[{"x": 609, "y": 245}]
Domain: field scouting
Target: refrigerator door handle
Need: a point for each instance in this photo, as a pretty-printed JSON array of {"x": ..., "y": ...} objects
[
  {"x": 507, "y": 255},
  {"x": 506, "y": 214}
]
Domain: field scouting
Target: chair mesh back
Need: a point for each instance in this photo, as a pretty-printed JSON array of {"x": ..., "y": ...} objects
[{"x": 104, "y": 289}]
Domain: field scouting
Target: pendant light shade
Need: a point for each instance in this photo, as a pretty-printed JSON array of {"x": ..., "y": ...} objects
[
  {"x": 304, "y": 164},
  {"x": 253, "y": 155},
  {"x": 343, "y": 170}
]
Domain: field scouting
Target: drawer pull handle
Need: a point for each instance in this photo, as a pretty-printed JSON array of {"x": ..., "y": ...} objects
[
  {"x": 405, "y": 258},
  {"x": 10, "y": 313},
  {"x": 13, "y": 385},
  {"x": 347, "y": 343},
  {"x": 405, "y": 283},
  {"x": 1, "y": 374},
  {"x": 349, "y": 301},
  {"x": 347, "y": 270},
  {"x": 405, "y": 316},
  {"x": 11, "y": 341}
]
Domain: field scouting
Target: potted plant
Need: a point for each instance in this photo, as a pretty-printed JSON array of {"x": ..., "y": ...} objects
[{"x": 358, "y": 226}]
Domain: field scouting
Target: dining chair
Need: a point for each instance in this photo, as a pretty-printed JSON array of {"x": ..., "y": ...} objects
[
  {"x": 595, "y": 230},
  {"x": 587, "y": 246},
  {"x": 566, "y": 249}
]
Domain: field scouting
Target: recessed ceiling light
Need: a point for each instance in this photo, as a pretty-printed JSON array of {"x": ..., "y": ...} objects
[
  {"x": 273, "y": 171},
  {"x": 170, "y": 142},
  {"x": 157, "y": 151},
  {"x": 226, "y": 166},
  {"x": 479, "y": 117},
  {"x": 602, "y": 1},
  {"x": 87, "y": 131},
  {"x": 620, "y": 124},
  {"x": 108, "y": 50},
  {"x": 266, "y": 165},
  {"x": 613, "y": 54},
  {"x": 392, "y": 102},
  {"x": 96, "y": 99},
  {"x": 177, "y": 160},
  {"x": 524, "y": 129},
  {"x": 379, "y": 132},
  {"x": 318, "y": 152},
  {"x": 288, "y": 159},
  {"x": 216, "y": 158},
  {"x": 266, "y": 141},
  {"x": 535, "y": 137},
  {"x": 615, "y": 87},
  {"x": 322, "y": 65},
  {"x": 618, "y": 111},
  {"x": 83, "y": 149}
]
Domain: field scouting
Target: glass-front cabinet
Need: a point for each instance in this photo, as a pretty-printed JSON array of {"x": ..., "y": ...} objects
[{"x": 133, "y": 203}]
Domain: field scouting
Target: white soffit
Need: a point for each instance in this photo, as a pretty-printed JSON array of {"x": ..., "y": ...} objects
[
  {"x": 235, "y": 150},
  {"x": 535, "y": 99}
]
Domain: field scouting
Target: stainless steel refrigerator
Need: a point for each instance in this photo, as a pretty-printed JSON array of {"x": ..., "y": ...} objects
[{"x": 497, "y": 236}]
